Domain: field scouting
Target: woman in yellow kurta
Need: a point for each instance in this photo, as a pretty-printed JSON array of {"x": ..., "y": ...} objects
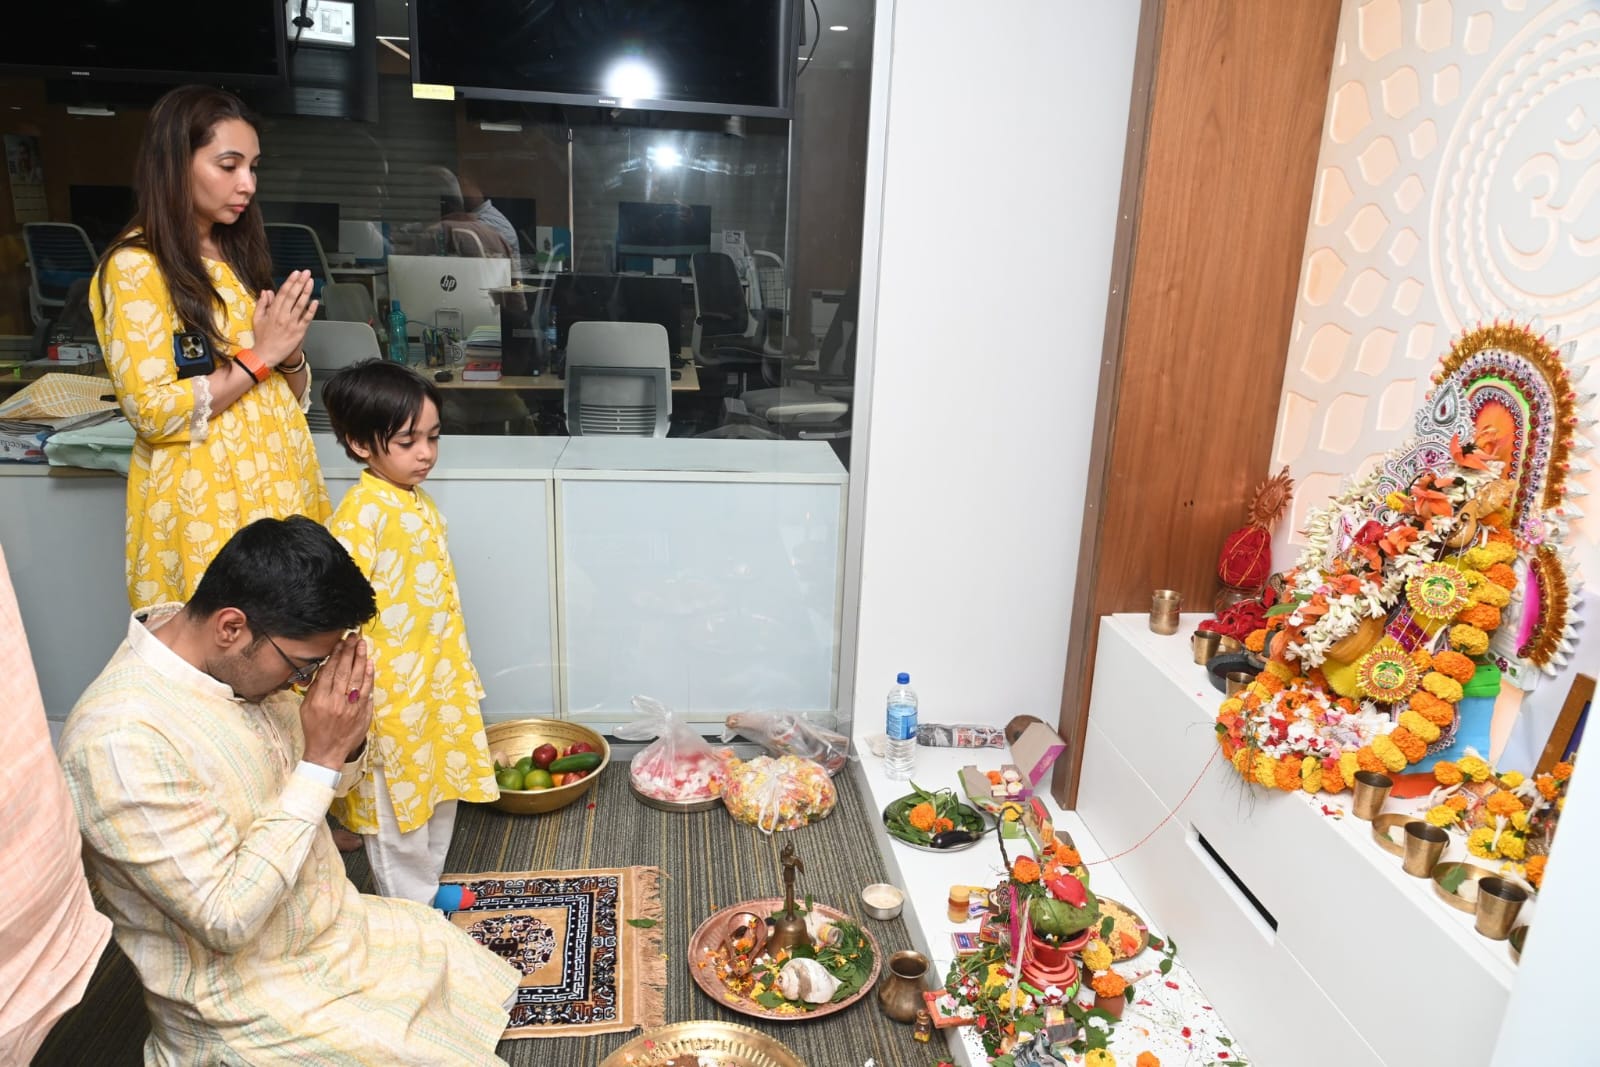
[
  {"x": 210, "y": 374},
  {"x": 427, "y": 748}
]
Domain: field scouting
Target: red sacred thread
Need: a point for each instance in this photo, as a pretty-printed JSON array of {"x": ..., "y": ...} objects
[{"x": 1164, "y": 821}]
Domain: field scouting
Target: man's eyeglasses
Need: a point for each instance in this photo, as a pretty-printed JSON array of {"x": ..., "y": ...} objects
[{"x": 301, "y": 675}]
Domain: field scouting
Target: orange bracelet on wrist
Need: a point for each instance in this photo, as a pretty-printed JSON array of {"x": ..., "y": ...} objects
[{"x": 252, "y": 364}]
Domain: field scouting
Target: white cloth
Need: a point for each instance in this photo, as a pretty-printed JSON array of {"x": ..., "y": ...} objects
[{"x": 407, "y": 865}]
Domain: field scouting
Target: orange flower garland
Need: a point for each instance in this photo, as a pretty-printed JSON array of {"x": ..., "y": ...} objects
[
  {"x": 1025, "y": 870},
  {"x": 1109, "y": 984}
]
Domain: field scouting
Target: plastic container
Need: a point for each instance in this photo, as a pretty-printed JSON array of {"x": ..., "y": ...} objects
[
  {"x": 900, "y": 761},
  {"x": 399, "y": 348}
]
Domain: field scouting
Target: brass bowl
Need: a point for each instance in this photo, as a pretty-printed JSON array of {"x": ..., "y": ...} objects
[
  {"x": 1468, "y": 872},
  {"x": 1384, "y": 823},
  {"x": 520, "y": 737}
]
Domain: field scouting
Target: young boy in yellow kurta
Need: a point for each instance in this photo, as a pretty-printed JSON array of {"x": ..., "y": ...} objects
[{"x": 427, "y": 745}]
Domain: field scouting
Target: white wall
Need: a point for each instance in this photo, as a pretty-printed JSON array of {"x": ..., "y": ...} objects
[{"x": 999, "y": 132}]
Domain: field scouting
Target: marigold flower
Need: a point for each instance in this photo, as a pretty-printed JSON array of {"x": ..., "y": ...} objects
[
  {"x": 1486, "y": 592},
  {"x": 1025, "y": 870},
  {"x": 1519, "y": 820},
  {"x": 1455, "y": 665},
  {"x": 995, "y": 777},
  {"x": 1420, "y": 726},
  {"x": 1349, "y": 764},
  {"x": 1279, "y": 670},
  {"x": 1456, "y": 802},
  {"x": 1503, "y": 803},
  {"x": 1389, "y": 752},
  {"x": 1468, "y": 640},
  {"x": 1311, "y": 775},
  {"x": 1534, "y": 871},
  {"x": 1286, "y": 775},
  {"x": 1369, "y": 760},
  {"x": 1485, "y": 617},
  {"x": 941, "y": 825},
  {"x": 1108, "y": 984},
  {"x": 1256, "y": 640},
  {"x": 1479, "y": 842},
  {"x": 1447, "y": 773},
  {"x": 1502, "y": 575},
  {"x": 1442, "y": 815},
  {"x": 1412, "y": 747},
  {"x": 1561, "y": 771},
  {"x": 1270, "y": 684},
  {"x": 1512, "y": 779},
  {"x": 921, "y": 817},
  {"x": 1442, "y": 686},
  {"x": 1147, "y": 1059},
  {"x": 1068, "y": 855},
  {"x": 1439, "y": 712},
  {"x": 1475, "y": 768},
  {"x": 1513, "y": 846},
  {"x": 1332, "y": 776},
  {"x": 1266, "y": 770},
  {"x": 1099, "y": 1057},
  {"x": 1097, "y": 955},
  {"x": 1422, "y": 659},
  {"x": 1546, "y": 784},
  {"x": 1241, "y": 761}
]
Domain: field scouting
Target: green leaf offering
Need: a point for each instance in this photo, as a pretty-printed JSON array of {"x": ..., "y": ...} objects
[{"x": 943, "y": 811}]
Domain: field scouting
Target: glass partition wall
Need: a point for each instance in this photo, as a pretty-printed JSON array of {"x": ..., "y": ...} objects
[{"x": 707, "y": 575}]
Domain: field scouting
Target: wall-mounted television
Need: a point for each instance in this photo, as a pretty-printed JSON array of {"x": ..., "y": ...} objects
[
  {"x": 238, "y": 43},
  {"x": 724, "y": 57},
  {"x": 648, "y": 232}
]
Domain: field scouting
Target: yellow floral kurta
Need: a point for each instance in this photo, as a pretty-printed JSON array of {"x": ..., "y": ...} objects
[
  {"x": 220, "y": 875},
  {"x": 427, "y": 732},
  {"x": 195, "y": 480}
]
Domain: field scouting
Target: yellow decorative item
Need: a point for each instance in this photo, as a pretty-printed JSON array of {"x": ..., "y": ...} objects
[
  {"x": 1387, "y": 751},
  {"x": 1437, "y": 592},
  {"x": 1350, "y": 648},
  {"x": 1387, "y": 673}
]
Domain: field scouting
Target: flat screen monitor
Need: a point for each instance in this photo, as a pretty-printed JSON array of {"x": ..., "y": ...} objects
[
  {"x": 648, "y": 232},
  {"x": 614, "y": 298},
  {"x": 102, "y": 210},
  {"x": 725, "y": 57},
  {"x": 237, "y": 43},
  {"x": 426, "y": 285},
  {"x": 321, "y": 217}
]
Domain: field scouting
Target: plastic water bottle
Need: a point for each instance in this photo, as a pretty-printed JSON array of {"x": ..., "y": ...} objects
[
  {"x": 901, "y": 760},
  {"x": 399, "y": 346}
]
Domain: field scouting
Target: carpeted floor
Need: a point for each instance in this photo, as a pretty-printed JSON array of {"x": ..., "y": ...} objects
[{"x": 710, "y": 862}]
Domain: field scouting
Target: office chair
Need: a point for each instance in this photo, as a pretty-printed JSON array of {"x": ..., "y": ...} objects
[
  {"x": 59, "y": 253},
  {"x": 463, "y": 242},
  {"x": 329, "y": 346},
  {"x": 296, "y": 247},
  {"x": 726, "y": 336},
  {"x": 618, "y": 379},
  {"x": 770, "y": 292},
  {"x": 811, "y": 403},
  {"x": 348, "y": 302}
]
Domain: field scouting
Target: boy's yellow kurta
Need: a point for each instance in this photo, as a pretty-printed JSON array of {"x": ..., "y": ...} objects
[
  {"x": 195, "y": 481},
  {"x": 427, "y": 730},
  {"x": 220, "y": 875}
]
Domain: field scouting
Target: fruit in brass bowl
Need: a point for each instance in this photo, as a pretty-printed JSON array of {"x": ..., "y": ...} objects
[
  {"x": 545, "y": 755},
  {"x": 544, "y": 785}
]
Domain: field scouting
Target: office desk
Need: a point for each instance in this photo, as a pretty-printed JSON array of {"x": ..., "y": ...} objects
[{"x": 688, "y": 382}]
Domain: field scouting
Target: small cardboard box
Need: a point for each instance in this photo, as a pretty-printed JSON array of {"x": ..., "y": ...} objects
[{"x": 1035, "y": 747}]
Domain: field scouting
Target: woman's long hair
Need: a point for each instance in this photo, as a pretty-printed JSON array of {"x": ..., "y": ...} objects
[{"x": 182, "y": 122}]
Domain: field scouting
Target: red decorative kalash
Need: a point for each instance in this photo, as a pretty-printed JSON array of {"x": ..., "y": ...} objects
[
  {"x": 1245, "y": 562},
  {"x": 1045, "y": 965}
]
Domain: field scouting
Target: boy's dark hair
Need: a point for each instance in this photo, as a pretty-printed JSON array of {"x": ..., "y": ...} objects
[
  {"x": 371, "y": 401},
  {"x": 289, "y": 577}
]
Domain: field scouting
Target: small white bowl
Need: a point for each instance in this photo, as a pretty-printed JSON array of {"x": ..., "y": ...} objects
[{"x": 882, "y": 900}]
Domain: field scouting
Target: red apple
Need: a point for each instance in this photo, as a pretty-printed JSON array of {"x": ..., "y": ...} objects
[
  {"x": 544, "y": 755},
  {"x": 579, "y": 746}
]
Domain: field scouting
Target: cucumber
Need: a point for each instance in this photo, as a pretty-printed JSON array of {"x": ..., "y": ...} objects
[{"x": 583, "y": 761}]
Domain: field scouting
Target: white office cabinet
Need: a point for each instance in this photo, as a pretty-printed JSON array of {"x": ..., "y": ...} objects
[{"x": 713, "y": 589}]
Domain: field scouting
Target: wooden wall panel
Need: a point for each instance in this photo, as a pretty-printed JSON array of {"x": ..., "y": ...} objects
[{"x": 1189, "y": 394}]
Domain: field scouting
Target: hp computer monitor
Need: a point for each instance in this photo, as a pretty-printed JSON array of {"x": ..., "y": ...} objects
[{"x": 426, "y": 284}]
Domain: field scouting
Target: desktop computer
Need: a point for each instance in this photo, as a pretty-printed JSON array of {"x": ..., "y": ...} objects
[
  {"x": 425, "y": 285},
  {"x": 618, "y": 298}
]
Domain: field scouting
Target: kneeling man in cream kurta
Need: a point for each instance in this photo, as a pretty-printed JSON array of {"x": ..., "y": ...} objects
[{"x": 202, "y": 781}]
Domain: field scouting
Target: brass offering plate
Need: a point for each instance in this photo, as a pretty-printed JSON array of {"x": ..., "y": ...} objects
[
  {"x": 707, "y": 940},
  {"x": 1518, "y": 937},
  {"x": 1384, "y": 823},
  {"x": 1464, "y": 897},
  {"x": 725, "y": 1044},
  {"x": 696, "y": 804},
  {"x": 1124, "y": 916}
]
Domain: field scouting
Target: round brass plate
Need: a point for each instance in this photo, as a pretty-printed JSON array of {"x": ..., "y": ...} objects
[
  {"x": 1518, "y": 937},
  {"x": 1384, "y": 823},
  {"x": 1120, "y": 952},
  {"x": 1470, "y": 872},
  {"x": 726, "y": 1044}
]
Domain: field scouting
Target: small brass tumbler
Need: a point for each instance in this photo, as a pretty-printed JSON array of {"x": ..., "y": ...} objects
[
  {"x": 1164, "y": 605},
  {"x": 1371, "y": 792},
  {"x": 1229, "y": 644},
  {"x": 1204, "y": 643},
  {"x": 1424, "y": 845},
  {"x": 1237, "y": 680},
  {"x": 1499, "y": 901}
]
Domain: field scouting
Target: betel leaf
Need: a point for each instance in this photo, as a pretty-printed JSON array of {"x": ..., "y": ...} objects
[
  {"x": 1166, "y": 966},
  {"x": 1451, "y": 881},
  {"x": 1108, "y": 924},
  {"x": 643, "y": 924},
  {"x": 1282, "y": 609},
  {"x": 1227, "y": 1041}
]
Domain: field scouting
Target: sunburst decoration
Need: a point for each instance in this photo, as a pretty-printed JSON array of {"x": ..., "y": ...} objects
[
  {"x": 1549, "y": 635},
  {"x": 1437, "y": 592},
  {"x": 1387, "y": 672}
]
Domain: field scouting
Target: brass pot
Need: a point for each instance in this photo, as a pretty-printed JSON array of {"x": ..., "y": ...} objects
[
  {"x": 900, "y": 992},
  {"x": 1350, "y": 648}
]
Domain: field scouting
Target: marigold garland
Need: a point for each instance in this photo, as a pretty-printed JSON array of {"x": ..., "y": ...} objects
[
  {"x": 1502, "y": 575},
  {"x": 1256, "y": 640},
  {"x": 1108, "y": 984},
  {"x": 1485, "y": 617},
  {"x": 1097, "y": 955},
  {"x": 1438, "y": 712},
  {"x": 1412, "y": 747},
  {"x": 1415, "y": 722},
  {"x": 1474, "y": 767},
  {"x": 922, "y": 817},
  {"x": 1443, "y": 686},
  {"x": 1447, "y": 773},
  {"x": 1454, "y": 665},
  {"x": 1389, "y": 752},
  {"x": 1468, "y": 640},
  {"x": 1534, "y": 871},
  {"x": 1025, "y": 870}
]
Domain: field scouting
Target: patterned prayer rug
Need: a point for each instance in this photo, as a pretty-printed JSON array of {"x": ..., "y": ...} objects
[{"x": 586, "y": 968}]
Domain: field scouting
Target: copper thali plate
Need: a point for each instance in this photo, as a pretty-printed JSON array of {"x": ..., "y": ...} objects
[
  {"x": 729, "y": 1045},
  {"x": 1120, "y": 910},
  {"x": 709, "y": 936}
]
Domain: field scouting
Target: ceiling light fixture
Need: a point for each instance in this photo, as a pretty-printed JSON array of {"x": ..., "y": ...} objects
[{"x": 838, "y": 29}]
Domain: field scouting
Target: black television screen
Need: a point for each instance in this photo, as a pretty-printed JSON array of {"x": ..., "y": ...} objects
[
  {"x": 726, "y": 57},
  {"x": 609, "y": 298},
  {"x": 647, "y": 232},
  {"x": 240, "y": 42}
]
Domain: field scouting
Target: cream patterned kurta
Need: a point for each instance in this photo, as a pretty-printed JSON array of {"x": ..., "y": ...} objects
[
  {"x": 427, "y": 731},
  {"x": 226, "y": 890},
  {"x": 195, "y": 480}
]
